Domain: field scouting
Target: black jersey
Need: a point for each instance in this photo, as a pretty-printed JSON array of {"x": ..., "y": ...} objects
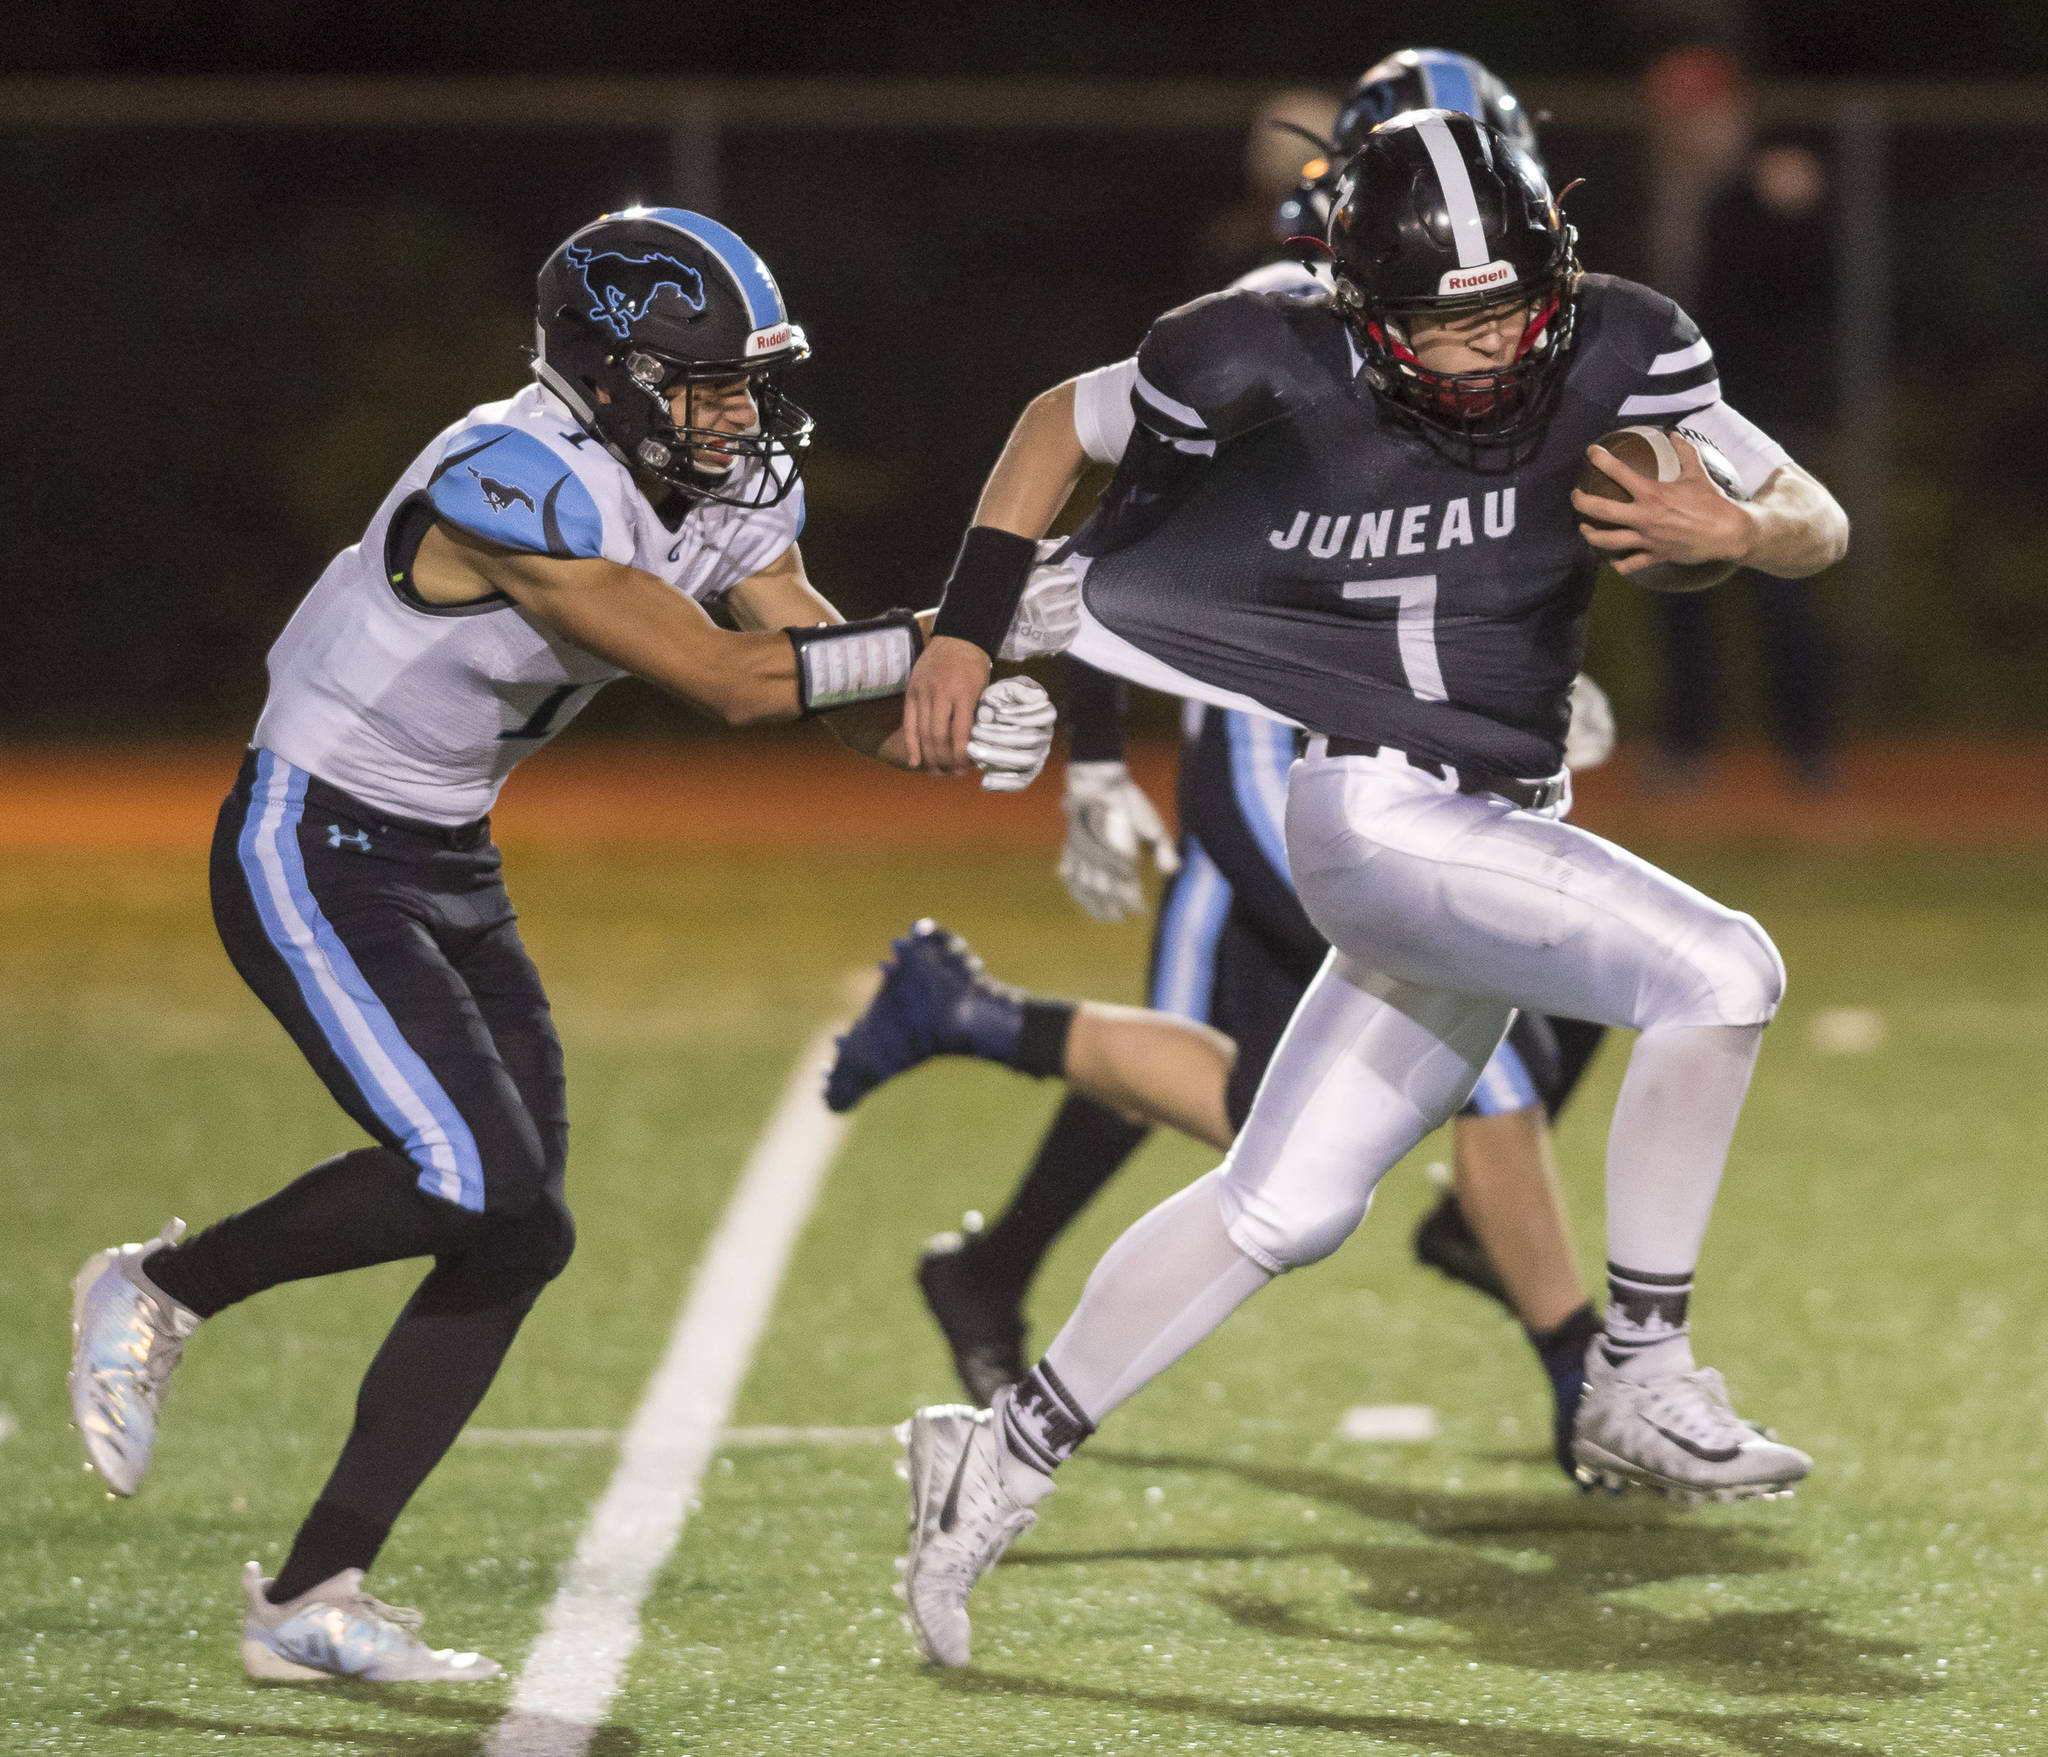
[{"x": 1275, "y": 530}]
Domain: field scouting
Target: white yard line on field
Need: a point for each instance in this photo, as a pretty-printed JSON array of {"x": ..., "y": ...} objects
[{"x": 593, "y": 1623}]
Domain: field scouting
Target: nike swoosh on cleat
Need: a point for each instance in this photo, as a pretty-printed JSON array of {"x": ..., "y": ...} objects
[
  {"x": 1707, "y": 1454},
  {"x": 950, "y": 1510}
]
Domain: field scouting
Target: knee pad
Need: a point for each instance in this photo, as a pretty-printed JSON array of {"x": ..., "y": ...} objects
[
  {"x": 1280, "y": 1235},
  {"x": 515, "y": 1256},
  {"x": 556, "y": 1229},
  {"x": 1741, "y": 976}
]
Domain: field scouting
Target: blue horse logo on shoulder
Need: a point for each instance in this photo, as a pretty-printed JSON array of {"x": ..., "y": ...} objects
[
  {"x": 500, "y": 496},
  {"x": 622, "y": 287}
]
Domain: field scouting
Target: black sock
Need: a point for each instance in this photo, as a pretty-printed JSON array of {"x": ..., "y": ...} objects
[
  {"x": 331, "y": 1539},
  {"x": 1084, "y": 1148},
  {"x": 1039, "y": 1421},
  {"x": 1562, "y": 1348},
  {"x": 1643, "y": 1310},
  {"x": 360, "y": 1208},
  {"x": 1042, "y": 1043}
]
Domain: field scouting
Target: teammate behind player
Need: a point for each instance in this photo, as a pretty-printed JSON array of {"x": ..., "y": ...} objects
[
  {"x": 536, "y": 550},
  {"x": 1360, "y": 515}
]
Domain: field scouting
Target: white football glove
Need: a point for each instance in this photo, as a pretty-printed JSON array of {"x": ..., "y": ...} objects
[
  {"x": 1012, "y": 734},
  {"x": 1589, "y": 740},
  {"x": 1108, "y": 820},
  {"x": 1049, "y": 614}
]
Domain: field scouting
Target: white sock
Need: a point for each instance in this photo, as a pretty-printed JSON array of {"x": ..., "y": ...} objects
[
  {"x": 1672, "y": 1125},
  {"x": 1170, "y": 1280}
]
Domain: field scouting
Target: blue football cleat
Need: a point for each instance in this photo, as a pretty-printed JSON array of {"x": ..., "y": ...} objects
[{"x": 934, "y": 1000}]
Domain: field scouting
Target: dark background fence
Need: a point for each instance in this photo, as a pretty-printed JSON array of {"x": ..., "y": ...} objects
[{"x": 239, "y": 308}]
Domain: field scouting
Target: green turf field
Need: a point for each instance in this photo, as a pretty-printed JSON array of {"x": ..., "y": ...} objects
[{"x": 1219, "y": 1571}]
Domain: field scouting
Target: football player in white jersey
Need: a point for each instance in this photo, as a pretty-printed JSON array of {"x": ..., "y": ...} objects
[{"x": 537, "y": 549}]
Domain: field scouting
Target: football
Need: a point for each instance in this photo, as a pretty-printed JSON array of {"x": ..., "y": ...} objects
[{"x": 1654, "y": 452}]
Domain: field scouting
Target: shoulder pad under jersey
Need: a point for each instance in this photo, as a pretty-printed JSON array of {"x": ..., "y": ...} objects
[
  {"x": 1664, "y": 367},
  {"x": 1219, "y": 366},
  {"x": 510, "y": 487},
  {"x": 1295, "y": 280}
]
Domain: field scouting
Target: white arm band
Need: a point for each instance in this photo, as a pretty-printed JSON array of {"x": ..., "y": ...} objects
[
  {"x": 1753, "y": 452},
  {"x": 839, "y": 663},
  {"x": 1102, "y": 411}
]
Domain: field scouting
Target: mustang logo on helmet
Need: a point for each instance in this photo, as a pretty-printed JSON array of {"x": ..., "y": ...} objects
[{"x": 623, "y": 287}]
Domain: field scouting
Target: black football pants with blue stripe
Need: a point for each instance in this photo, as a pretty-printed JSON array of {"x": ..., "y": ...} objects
[{"x": 389, "y": 951}]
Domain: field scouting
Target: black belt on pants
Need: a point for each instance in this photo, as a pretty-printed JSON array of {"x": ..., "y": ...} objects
[{"x": 1528, "y": 795}]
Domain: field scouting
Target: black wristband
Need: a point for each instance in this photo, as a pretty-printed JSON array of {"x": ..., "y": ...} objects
[
  {"x": 988, "y": 580},
  {"x": 1095, "y": 714},
  {"x": 840, "y": 663}
]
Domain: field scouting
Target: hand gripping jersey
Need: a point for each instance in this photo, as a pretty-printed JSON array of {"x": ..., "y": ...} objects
[
  {"x": 1275, "y": 532},
  {"x": 422, "y": 710}
]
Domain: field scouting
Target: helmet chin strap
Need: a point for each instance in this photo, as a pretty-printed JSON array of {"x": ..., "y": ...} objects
[{"x": 1536, "y": 332}]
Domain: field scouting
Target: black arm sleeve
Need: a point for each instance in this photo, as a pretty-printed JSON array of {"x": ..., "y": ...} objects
[{"x": 1095, "y": 714}]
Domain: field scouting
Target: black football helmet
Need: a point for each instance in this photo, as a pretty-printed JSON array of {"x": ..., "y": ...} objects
[
  {"x": 640, "y": 303},
  {"x": 1408, "y": 79},
  {"x": 1442, "y": 215}
]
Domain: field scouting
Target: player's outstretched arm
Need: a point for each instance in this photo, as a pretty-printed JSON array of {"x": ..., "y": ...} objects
[
  {"x": 1791, "y": 526},
  {"x": 796, "y": 654},
  {"x": 629, "y": 618},
  {"x": 1040, "y": 464},
  {"x": 781, "y": 596}
]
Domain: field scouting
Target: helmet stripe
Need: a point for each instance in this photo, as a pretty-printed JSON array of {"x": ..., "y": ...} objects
[
  {"x": 1468, "y": 232},
  {"x": 1448, "y": 80},
  {"x": 757, "y": 287}
]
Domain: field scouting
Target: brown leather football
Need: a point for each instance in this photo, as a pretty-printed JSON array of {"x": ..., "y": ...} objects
[{"x": 1653, "y": 452}]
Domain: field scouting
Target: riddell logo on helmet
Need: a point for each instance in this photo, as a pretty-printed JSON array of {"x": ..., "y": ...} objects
[
  {"x": 762, "y": 340},
  {"x": 1473, "y": 280}
]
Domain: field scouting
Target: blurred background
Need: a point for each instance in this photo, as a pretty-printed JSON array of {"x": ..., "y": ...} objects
[{"x": 265, "y": 252}]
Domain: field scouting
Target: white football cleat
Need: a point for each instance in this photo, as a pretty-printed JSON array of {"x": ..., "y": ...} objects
[
  {"x": 1673, "y": 1429},
  {"x": 962, "y": 1517},
  {"x": 337, "y": 1630},
  {"x": 126, "y": 1336}
]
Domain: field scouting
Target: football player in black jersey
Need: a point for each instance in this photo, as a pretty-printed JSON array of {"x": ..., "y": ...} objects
[
  {"x": 1232, "y": 951},
  {"x": 1360, "y": 515}
]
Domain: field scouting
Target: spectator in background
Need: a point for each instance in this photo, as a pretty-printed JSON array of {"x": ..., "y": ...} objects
[
  {"x": 1764, "y": 289},
  {"x": 1241, "y": 236}
]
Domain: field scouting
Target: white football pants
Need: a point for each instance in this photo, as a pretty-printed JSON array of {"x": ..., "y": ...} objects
[{"x": 1446, "y": 912}]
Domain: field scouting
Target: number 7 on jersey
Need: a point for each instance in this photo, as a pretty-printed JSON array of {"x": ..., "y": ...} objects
[{"x": 1414, "y": 628}]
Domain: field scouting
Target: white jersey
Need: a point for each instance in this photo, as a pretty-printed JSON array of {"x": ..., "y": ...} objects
[{"x": 422, "y": 710}]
